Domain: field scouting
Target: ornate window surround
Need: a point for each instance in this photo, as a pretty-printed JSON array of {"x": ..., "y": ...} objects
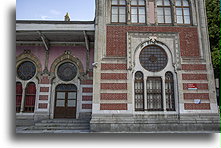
[
  {"x": 66, "y": 57},
  {"x": 28, "y": 56},
  {"x": 161, "y": 74},
  {"x": 136, "y": 42}
]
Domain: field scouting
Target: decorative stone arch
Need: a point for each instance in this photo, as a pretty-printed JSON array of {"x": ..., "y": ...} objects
[
  {"x": 28, "y": 56},
  {"x": 65, "y": 58},
  {"x": 136, "y": 66},
  {"x": 153, "y": 41}
]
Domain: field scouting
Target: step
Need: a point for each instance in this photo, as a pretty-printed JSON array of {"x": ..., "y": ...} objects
[
  {"x": 58, "y": 128},
  {"x": 62, "y": 124},
  {"x": 65, "y": 121}
]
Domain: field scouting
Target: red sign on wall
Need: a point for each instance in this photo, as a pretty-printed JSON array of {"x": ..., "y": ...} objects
[{"x": 192, "y": 86}]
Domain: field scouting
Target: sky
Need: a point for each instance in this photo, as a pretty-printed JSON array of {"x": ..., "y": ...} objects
[{"x": 79, "y": 10}]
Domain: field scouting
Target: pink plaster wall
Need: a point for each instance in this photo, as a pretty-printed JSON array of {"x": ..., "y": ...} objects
[
  {"x": 55, "y": 52},
  {"x": 38, "y": 51},
  {"x": 91, "y": 58}
]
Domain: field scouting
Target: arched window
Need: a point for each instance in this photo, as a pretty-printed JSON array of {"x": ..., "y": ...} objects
[
  {"x": 182, "y": 11},
  {"x": 118, "y": 11},
  {"x": 154, "y": 94},
  {"x": 139, "y": 91},
  {"x": 164, "y": 12},
  {"x": 30, "y": 95},
  {"x": 169, "y": 91},
  {"x": 18, "y": 96},
  {"x": 138, "y": 12}
]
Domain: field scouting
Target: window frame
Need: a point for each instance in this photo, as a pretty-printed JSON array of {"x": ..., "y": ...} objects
[
  {"x": 137, "y": 9},
  {"x": 182, "y": 8},
  {"x": 118, "y": 5},
  {"x": 163, "y": 6},
  {"x": 29, "y": 109},
  {"x": 141, "y": 93}
]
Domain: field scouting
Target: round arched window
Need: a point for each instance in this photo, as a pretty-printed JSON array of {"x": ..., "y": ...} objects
[
  {"x": 26, "y": 70},
  {"x": 67, "y": 71},
  {"x": 153, "y": 58}
]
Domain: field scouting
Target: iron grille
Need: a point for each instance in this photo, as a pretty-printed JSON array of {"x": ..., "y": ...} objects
[
  {"x": 139, "y": 91},
  {"x": 154, "y": 94},
  {"x": 169, "y": 89},
  {"x": 153, "y": 58}
]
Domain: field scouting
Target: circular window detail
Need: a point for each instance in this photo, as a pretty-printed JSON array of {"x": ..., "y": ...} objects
[
  {"x": 26, "y": 70},
  {"x": 153, "y": 58},
  {"x": 67, "y": 71}
]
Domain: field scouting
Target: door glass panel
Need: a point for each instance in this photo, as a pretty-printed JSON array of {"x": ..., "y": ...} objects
[
  {"x": 60, "y": 95},
  {"x": 72, "y": 95},
  {"x": 71, "y": 103},
  {"x": 60, "y": 103}
]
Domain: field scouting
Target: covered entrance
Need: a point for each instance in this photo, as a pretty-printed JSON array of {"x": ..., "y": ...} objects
[{"x": 65, "y": 101}]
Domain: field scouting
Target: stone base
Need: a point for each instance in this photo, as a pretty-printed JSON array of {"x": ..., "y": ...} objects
[
  {"x": 157, "y": 124},
  {"x": 85, "y": 116}
]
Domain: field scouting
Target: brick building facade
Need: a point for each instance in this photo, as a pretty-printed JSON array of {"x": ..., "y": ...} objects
[{"x": 141, "y": 66}]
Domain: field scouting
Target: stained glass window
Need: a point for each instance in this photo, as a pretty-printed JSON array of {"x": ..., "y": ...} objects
[
  {"x": 26, "y": 70},
  {"x": 67, "y": 71},
  {"x": 153, "y": 58}
]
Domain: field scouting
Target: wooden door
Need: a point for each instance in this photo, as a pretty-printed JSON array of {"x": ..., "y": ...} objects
[{"x": 65, "y": 101}]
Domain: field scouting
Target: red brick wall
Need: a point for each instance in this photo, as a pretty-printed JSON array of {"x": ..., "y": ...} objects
[
  {"x": 87, "y": 98},
  {"x": 86, "y": 106},
  {"x": 87, "y": 82},
  {"x": 192, "y": 106},
  {"x": 44, "y": 89},
  {"x": 193, "y": 67},
  {"x": 42, "y": 105},
  {"x": 194, "y": 76},
  {"x": 87, "y": 90},
  {"x": 117, "y": 39},
  {"x": 114, "y": 86},
  {"x": 43, "y": 97},
  {"x": 196, "y": 96},
  {"x": 113, "y": 96},
  {"x": 45, "y": 80},
  {"x": 119, "y": 106},
  {"x": 113, "y": 76},
  {"x": 113, "y": 66}
]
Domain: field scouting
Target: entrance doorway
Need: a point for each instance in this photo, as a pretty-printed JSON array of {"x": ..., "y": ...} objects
[{"x": 65, "y": 101}]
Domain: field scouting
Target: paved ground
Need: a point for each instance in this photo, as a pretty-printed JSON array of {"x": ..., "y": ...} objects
[{"x": 25, "y": 130}]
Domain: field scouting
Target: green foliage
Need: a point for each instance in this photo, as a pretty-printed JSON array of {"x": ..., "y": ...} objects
[{"x": 213, "y": 15}]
